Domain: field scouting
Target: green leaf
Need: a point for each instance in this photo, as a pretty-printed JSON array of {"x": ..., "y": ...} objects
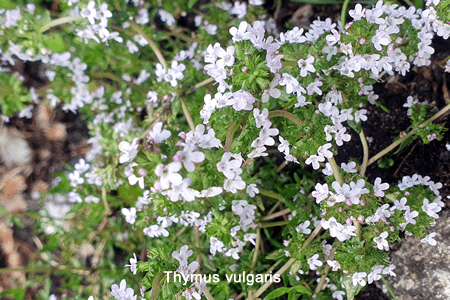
[
  {"x": 352, "y": 290},
  {"x": 277, "y": 293},
  {"x": 44, "y": 19},
  {"x": 2, "y": 210},
  {"x": 385, "y": 162},
  {"x": 301, "y": 289},
  {"x": 292, "y": 295},
  {"x": 276, "y": 255},
  {"x": 191, "y": 3},
  {"x": 377, "y": 103},
  {"x": 18, "y": 222},
  {"x": 405, "y": 143},
  {"x": 296, "y": 266},
  {"x": 56, "y": 43},
  {"x": 18, "y": 294},
  {"x": 354, "y": 125},
  {"x": 7, "y": 4}
]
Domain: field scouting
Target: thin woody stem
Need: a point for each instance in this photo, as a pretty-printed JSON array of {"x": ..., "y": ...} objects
[
  {"x": 199, "y": 85},
  {"x": 255, "y": 255},
  {"x": 150, "y": 42},
  {"x": 187, "y": 114},
  {"x": 325, "y": 272},
  {"x": 276, "y": 215},
  {"x": 411, "y": 133},
  {"x": 289, "y": 263},
  {"x": 366, "y": 153},
  {"x": 336, "y": 172}
]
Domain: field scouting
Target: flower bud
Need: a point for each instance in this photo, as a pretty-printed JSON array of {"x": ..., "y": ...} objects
[
  {"x": 142, "y": 172},
  {"x": 360, "y": 218}
]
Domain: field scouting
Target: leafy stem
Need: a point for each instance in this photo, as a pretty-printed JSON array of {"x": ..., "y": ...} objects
[
  {"x": 287, "y": 115},
  {"x": 58, "y": 22},
  {"x": 344, "y": 12},
  {"x": 157, "y": 281},
  {"x": 230, "y": 135}
]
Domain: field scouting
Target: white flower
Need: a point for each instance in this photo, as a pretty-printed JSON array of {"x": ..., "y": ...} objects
[
  {"x": 133, "y": 179},
  {"x": 314, "y": 160},
  {"x": 306, "y": 66},
  {"x": 290, "y": 82},
  {"x": 81, "y": 166},
  {"x": 261, "y": 118},
  {"x": 239, "y": 33},
  {"x": 429, "y": 239},
  {"x": 323, "y": 151},
  {"x": 357, "y": 13},
  {"x": 388, "y": 270},
  {"x": 360, "y": 115},
  {"x": 400, "y": 205},
  {"x": 89, "y": 12},
  {"x": 375, "y": 274},
  {"x": 349, "y": 168},
  {"x": 166, "y": 17},
  {"x": 130, "y": 214},
  {"x": 314, "y": 262},
  {"x": 358, "y": 278},
  {"x": 381, "y": 240},
  {"x": 169, "y": 174},
  {"x": 75, "y": 179},
  {"x": 303, "y": 228},
  {"x": 184, "y": 254},
  {"x": 91, "y": 199},
  {"x": 252, "y": 190},
  {"x": 189, "y": 156},
  {"x": 133, "y": 264},
  {"x": 130, "y": 151},
  {"x": 122, "y": 292},
  {"x": 321, "y": 192},
  {"x": 226, "y": 57},
  {"x": 283, "y": 146},
  {"x": 338, "y": 295},
  {"x": 379, "y": 187},
  {"x": 216, "y": 245},
  {"x": 182, "y": 191},
  {"x": 334, "y": 264},
  {"x": 431, "y": 209}
]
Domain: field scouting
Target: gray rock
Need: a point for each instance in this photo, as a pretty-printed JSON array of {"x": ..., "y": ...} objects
[
  {"x": 14, "y": 150},
  {"x": 423, "y": 271}
]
